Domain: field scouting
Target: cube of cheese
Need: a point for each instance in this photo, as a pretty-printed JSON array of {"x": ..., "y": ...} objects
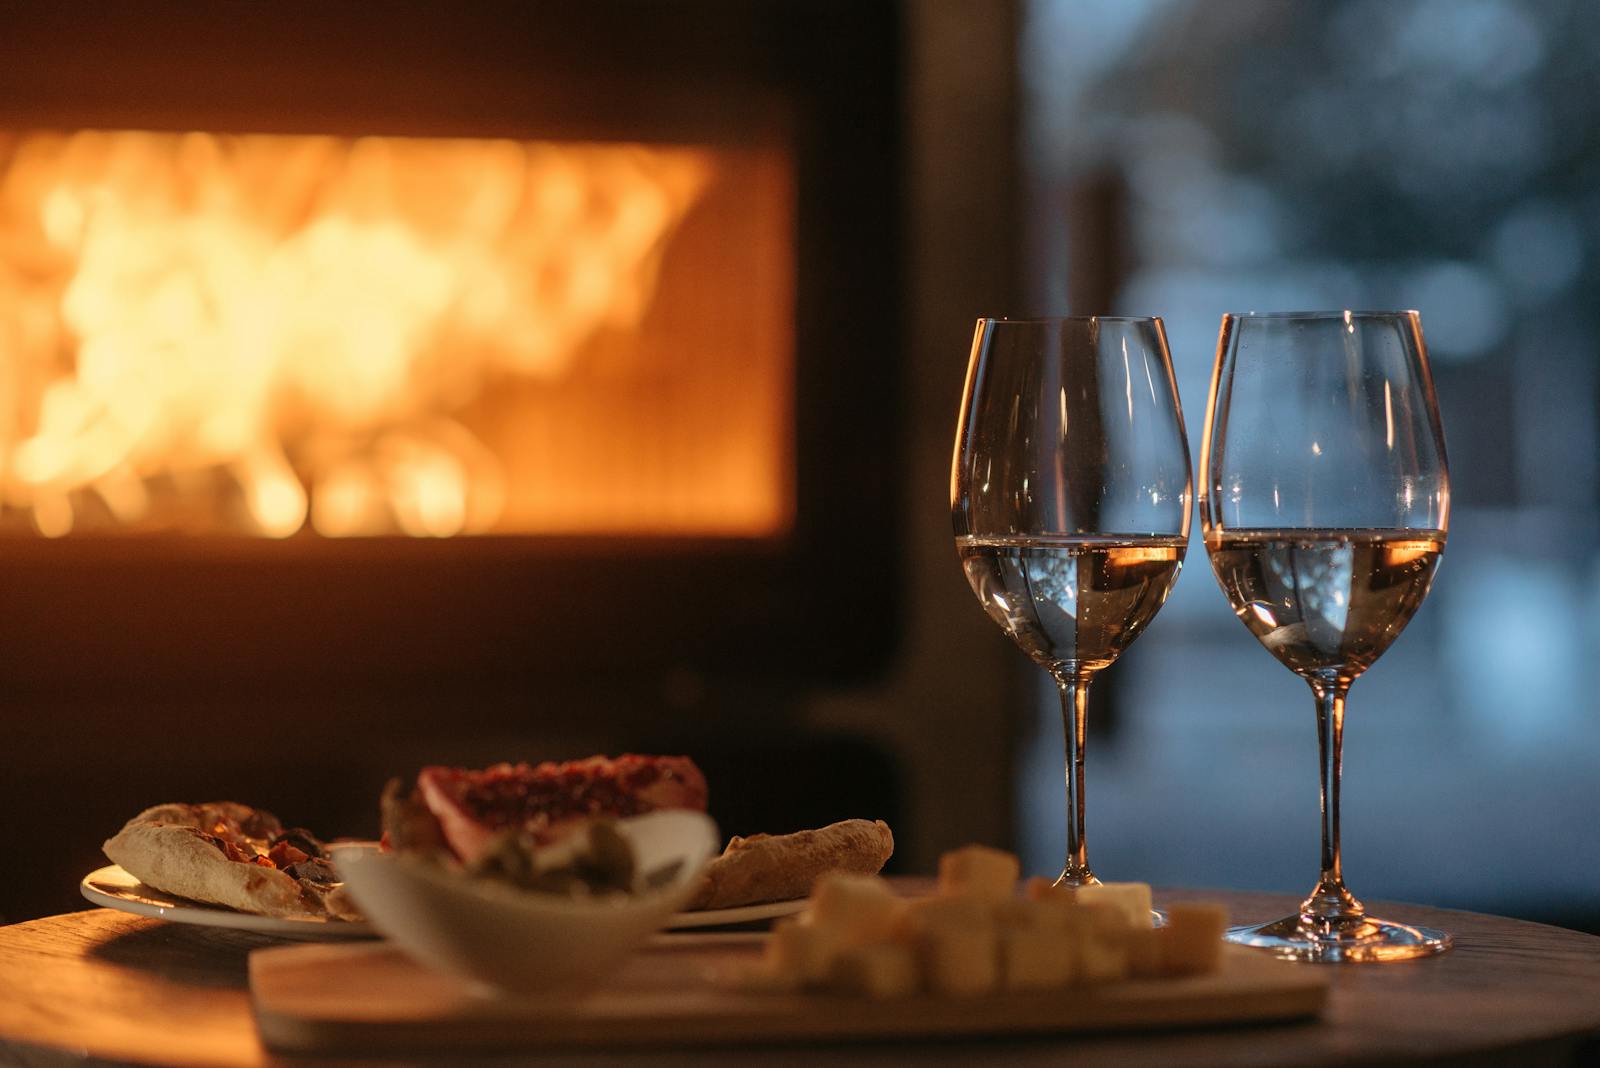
[
  {"x": 878, "y": 970},
  {"x": 979, "y": 872},
  {"x": 857, "y": 908},
  {"x": 941, "y": 913},
  {"x": 1133, "y": 899},
  {"x": 1035, "y": 959},
  {"x": 959, "y": 960},
  {"x": 1193, "y": 943},
  {"x": 1145, "y": 948},
  {"x": 1049, "y": 902},
  {"x": 1098, "y": 934},
  {"x": 955, "y": 942},
  {"x": 1027, "y": 915},
  {"x": 800, "y": 953},
  {"x": 1038, "y": 888}
]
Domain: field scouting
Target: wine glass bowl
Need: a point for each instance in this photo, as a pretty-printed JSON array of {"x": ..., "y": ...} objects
[
  {"x": 1070, "y": 497},
  {"x": 1325, "y": 502}
]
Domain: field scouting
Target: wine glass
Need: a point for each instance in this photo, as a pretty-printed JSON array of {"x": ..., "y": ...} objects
[
  {"x": 1325, "y": 500},
  {"x": 1070, "y": 494}
]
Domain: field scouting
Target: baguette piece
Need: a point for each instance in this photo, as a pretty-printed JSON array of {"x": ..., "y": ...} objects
[{"x": 782, "y": 867}]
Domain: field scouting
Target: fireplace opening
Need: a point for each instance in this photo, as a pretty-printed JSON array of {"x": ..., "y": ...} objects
[
  {"x": 448, "y": 357},
  {"x": 320, "y": 336}
]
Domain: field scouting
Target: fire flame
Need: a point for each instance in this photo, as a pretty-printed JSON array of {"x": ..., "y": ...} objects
[{"x": 289, "y": 324}]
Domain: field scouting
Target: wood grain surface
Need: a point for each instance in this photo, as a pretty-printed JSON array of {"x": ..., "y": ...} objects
[{"x": 102, "y": 987}]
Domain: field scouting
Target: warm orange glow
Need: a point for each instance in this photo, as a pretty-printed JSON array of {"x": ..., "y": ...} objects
[
  {"x": 1400, "y": 553},
  {"x": 260, "y": 334}
]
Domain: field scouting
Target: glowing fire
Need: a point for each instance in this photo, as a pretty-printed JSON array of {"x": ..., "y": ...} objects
[{"x": 288, "y": 327}]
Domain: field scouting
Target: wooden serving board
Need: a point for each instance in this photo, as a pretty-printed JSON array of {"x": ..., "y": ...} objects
[{"x": 371, "y": 998}]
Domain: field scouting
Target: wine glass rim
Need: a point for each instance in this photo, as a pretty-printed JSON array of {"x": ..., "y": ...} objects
[
  {"x": 1406, "y": 313},
  {"x": 1026, "y": 319}
]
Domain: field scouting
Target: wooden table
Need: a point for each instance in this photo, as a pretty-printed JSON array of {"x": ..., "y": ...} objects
[{"x": 102, "y": 987}]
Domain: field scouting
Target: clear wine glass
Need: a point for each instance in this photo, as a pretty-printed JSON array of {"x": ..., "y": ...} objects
[
  {"x": 1070, "y": 494},
  {"x": 1325, "y": 500}
]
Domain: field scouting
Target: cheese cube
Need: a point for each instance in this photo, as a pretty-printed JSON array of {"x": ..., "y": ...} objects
[
  {"x": 1145, "y": 947},
  {"x": 1132, "y": 898},
  {"x": 879, "y": 970},
  {"x": 1098, "y": 934},
  {"x": 1049, "y": 903},
  {"x": 941, "y": 913},
  {"x": 801, "y": 953},
  {"x": 1034, "y": 959},
  {"x": 857, "y": 908},
  {"x": 1038, "y": 888},
  {"x": 955, "y": 943},
  {"x": 959, "y": 960},
  {"x": 1028, "y": 915},
  {"x": 979, "y": 872},
  {"x": 1193, "y": 944}
]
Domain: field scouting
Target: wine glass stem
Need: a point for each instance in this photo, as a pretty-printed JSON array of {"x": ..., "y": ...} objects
[
  {"x": 1330, "y": 904},
  {"x": 1074, "y": 721}
]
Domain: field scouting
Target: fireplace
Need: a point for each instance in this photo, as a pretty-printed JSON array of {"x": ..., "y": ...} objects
[
  {"x": 414, "y": 349},
  {"x": 270, "y": 335},
  {"x": 383, "y": 383}
]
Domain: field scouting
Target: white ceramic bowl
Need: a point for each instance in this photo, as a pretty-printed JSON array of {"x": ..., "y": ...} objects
[{"x": 520, "y": 940}]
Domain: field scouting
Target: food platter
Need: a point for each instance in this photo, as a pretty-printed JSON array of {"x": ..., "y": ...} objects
[
  {"x": 111, "y": 887},
  {"x": 328, "y": 999}
]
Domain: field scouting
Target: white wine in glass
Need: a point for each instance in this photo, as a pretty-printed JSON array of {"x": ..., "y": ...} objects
[
  {"x": 1325, "y": 600},
  {"x": 1072, "y": 601},
  {"x": 1070, "y": 496},
  {"x": 1325, "y": 499}
]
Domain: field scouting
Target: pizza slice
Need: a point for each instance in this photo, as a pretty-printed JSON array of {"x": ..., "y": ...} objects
[
  {"x": 225, "y": 853},
  {"x": 466, "y": 811}
]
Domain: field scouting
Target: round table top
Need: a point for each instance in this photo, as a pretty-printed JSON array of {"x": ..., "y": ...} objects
[{"x": 106, "y": 987}]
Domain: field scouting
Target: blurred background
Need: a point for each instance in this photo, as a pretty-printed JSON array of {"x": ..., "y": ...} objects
[
  {"x": 380, "y": 388},
  {"x": 1435, "y": 155}
]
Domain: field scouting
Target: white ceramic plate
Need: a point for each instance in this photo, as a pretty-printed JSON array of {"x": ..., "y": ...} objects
[{"x": 112, "y": 888}]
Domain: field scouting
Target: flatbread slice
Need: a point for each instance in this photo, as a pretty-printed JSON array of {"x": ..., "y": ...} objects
[
  {"x": 766, "y": 867},
  {"x": 189, "y": 850}
]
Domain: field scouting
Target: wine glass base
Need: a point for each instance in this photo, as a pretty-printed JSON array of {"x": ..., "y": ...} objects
[
  {"x": 1294, "y": 938},
  {"x": 1072, "y": 879}
]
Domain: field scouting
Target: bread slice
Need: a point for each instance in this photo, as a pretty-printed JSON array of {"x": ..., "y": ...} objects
[{"x": 781, "y": 867}]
